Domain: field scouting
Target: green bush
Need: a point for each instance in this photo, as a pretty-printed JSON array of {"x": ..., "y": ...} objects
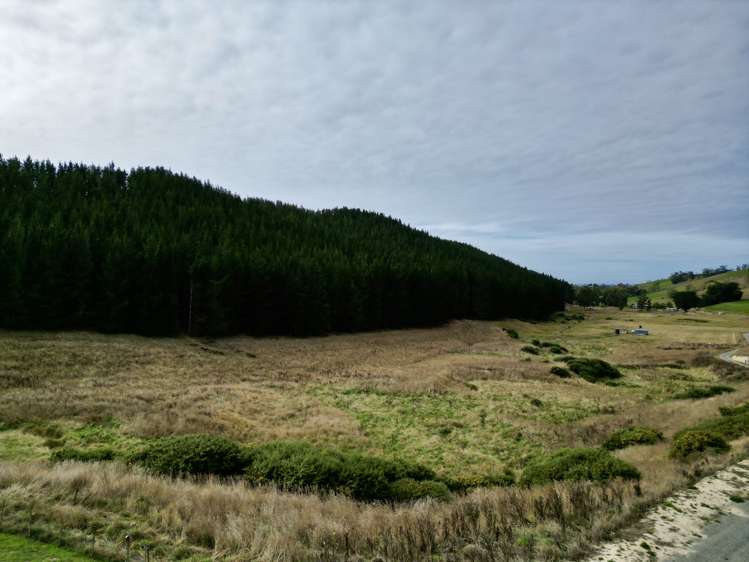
[
  {"x": 537, "y": 343},
  {"x": 408, "y": 489},
  {"x": 464, "y": 483},
  {"x": 529, "y": 349},
  {"x": 561, "y": 372},
  {"x": 632, "y": 436},
  {"x": 735, "y": 411},
  {"x": 697, "y": 393},
  {"x": 577, "y": 464},
  {"x": 727, "y": 426},
  {"x": 693, "y": 441},
  {"x": 191, "y": 454},
  {"x": 299, "y": 465},
  {"x": 554, "y": 347},
  {"x": 592, "y": 370},
  {"x": 82, "y": 455},
  {"x": 512, "y": 333}
]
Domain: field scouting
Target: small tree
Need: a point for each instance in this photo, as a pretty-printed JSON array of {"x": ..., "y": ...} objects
[
  {"x": 685, "y": 299},
  {"x": 643, "y": 302}
]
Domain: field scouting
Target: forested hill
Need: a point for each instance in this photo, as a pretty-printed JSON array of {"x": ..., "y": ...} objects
[{"x": 154, "y": 252}]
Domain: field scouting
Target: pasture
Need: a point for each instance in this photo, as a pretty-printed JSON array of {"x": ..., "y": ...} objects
[{"x": 464, "y": 400}]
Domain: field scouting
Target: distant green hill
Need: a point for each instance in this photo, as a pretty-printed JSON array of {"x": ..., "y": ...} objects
[{"x": 659, "y": 289}]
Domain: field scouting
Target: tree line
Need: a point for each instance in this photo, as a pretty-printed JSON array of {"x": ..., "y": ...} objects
[
  {"x": 154, "y": 252},
  {"x": 679, "y": 276},
  {"x": 606, "y": 295},
  {"x": 715, "y": 293}
]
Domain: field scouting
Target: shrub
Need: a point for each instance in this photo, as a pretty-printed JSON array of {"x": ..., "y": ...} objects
[
  {"x": 561, "y": 372},
  {"x": 529, "y": 349},
  {"x": 727, "y": 426},
  {"x": 408, "y": 489},
  {"x": 464, "y": 483},
  {"x": 735, "y": 411},
  {"x": 512, "y": 333},
  {"x": 82, "y": 455},
  {"x": 554, "y": 347},
  {"x": 299, "y": 465},
  {"x": 632, "y": 436},
  {"x": 592, "y": 370},
  {"x": 191, "y": 454},
  {"x": 577, "y": 464},
  {"x": 693, "y": 441},
  {"x": 537, "y": 343},
  {"x": 697, "y": 393}
]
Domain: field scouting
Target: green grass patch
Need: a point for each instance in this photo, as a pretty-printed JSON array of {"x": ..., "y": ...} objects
[
  {"x": 458, "y": 435},
  {"x": 16, "y": 445},
  {"x": 632, "y": 436},
  {"x": 82, "y": 455},
  {"x": 737, "y": 307},
  {"x": 20, "y": 549},
  {"x": 577, "y": 464}
]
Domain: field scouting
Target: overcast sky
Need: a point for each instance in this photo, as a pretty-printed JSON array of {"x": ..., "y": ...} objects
[{"x": 595, "y": 140}]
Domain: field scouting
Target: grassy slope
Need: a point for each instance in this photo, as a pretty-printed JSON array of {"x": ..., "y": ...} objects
[
  {"x": 20, "y": 549},
  {"x": 659, "y": 290},
  {"x": 739, "y": 307}
]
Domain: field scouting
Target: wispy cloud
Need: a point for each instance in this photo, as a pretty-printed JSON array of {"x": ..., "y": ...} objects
[{"x": 575, "y": 139}]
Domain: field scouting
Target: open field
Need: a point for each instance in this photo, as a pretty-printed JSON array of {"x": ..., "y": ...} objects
[
  {"x": 658, "y": 291},
  {"x": 463, "y": 399}
]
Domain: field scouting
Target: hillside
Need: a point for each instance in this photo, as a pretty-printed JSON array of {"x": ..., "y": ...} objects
[
  {"x": 154, "y": 252},
  {"x": 659, "y": 289}
]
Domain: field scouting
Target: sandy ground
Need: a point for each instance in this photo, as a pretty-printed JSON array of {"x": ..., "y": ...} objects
[{"x": 680, "y": 524}]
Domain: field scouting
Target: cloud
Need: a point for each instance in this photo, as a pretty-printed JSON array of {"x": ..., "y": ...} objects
[{"x": 539, "y": 124}]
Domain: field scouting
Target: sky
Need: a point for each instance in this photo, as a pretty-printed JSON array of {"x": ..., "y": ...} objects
[{"x": 598, "y": 141}]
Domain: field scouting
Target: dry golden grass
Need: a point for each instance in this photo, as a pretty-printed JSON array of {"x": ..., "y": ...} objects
[
  {"x": 230, "y": 521},
  {"x": 462, "y": 399}
]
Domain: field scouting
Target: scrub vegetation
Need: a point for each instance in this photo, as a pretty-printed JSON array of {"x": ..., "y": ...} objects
[{"x": 448, "y": 443}]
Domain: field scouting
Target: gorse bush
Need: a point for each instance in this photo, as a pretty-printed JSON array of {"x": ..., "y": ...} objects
[
  {"x": 697, "y": 393},
  {"x": 632, "y": 436},
  {"x": 408, "y": 489},
  {"x": 529, "y": 349},
  {"x": 693, "y": 441},
  {"x": 299, "y": 465},
  {"x": 512, "y": 333},
  {"x": 560, "y": 372},
  {"x": 577, "y": 464},
  {"x": 731, "y": 425},
  {"x": 734, "y": 411},
  {"x": 554, "y": 347},
  {"x": 191, "y": 454},
  {"x": 592, "y": 370},
  {"x": 712, "y": 435},
  {"x": 82, "y": 455}
]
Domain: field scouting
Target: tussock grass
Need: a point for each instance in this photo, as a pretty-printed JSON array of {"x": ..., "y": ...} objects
[
  {"x": 458, "y": 399},
  {"x": 232, "y": 522}
]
